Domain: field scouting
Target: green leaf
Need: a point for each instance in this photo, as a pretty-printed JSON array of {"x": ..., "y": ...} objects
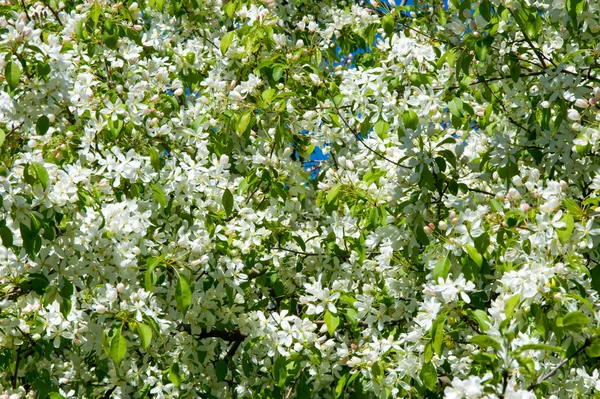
[
  {"x": 574, "y": 319},
  {"x": 442, "y": 267},
  {"x": 145, "y": 333},
  {"x": 541, "y": 347},
  {"x": 150, "y": 278},
  {"x": 511, "y": 304},
  {"x": 485, "y": 10},
  {"x": 303, "y": 390},
  {"x": 474, "y": 255},
  {"x": 410, "y": 119},
  {"x": 7, "y": 236},
  {"x": 515, "y": 72},
  {"x": 332, "y": 321},
  {"x": 118, "y": 348},
  {"x": 243, "y": 123},
  {"x": 594, "y": 349},
  {"x": 456, "y": 107},
  {"x": 438, "y": 336},
  {"x": 12, "y": 74},
  {"x": 55, "y": 395},
  {"x": 95, "y": 12},
  {"x": 387, "y": 23},
  {"x": 2, "y": 137},
  {"x": 221, "y": 370},
  {"x": 341, "y": 385},
  {"x": 277, "y": 73},
  {"x": 486, "y": 341},
  {"x": 564, "y": 234},
  {"x": 429, "y": 376},
  {"x": 381, "y": 128},
  {"x": 159, "y": 195},
  {"x": 42, "y": 125},
  {"x": 574, "y": 8},
  {"x": 174, "y": 375},
  {"x": 183, "y": 294},
  {"x": 333, "y": 193},
  {"x": 226, "y": 41},
  {"x": 482, "y": 319},
  {"x": 41, "y": 174},
  {"x": 279, "y": 371},
  {"x": 227, "y": 201}
]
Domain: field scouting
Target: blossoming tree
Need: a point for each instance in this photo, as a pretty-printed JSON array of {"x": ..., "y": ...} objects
[{"x": 162, "y": 238}]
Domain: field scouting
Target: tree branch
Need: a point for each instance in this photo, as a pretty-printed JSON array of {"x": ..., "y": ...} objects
[{"x": 587, "y": 343}]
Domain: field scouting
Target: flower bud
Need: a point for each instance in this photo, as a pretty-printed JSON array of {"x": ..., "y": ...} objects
[
  {"x": 545, "y": 104},
  {"x": 581, "y": 103},
  {"x": 120, "y": 288},
  {"x": 427, "y": 230},
  {"x": 597, "y": 93},
  {"x": 573, "y": 115},
  {"x": 524, "y": 207},
  {"x": 178, "y": 92},
  {"x": 454, "y": 221},
  {"x": 442, "y": 225}
]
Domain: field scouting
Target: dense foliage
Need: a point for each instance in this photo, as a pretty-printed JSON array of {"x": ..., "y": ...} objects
[{"x": 161, "y": 236}]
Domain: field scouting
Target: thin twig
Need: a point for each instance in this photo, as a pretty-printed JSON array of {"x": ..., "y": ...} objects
[
  {"x": 587, "y": 343},
  {"x": 356, "y": 135}
]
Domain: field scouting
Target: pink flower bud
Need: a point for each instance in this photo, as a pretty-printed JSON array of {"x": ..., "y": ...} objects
[{"x": 427, "y": 230}]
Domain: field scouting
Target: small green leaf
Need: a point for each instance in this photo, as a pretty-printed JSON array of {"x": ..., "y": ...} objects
[
  {"x": 341, "y": 385},
  {"x": 159, "y": 195},
  {"x": 333, "y": 193},
  {"x": 227, "y": 201},
  {"x": 474, "y": 255},
  {"x": 486, "y": 341},
  {"x": 221, "y": 370},
  {"x": 515, "y": 72},
  {"x": 226, "y": 41},
  {"x": 429, "y": 376},
  {"x": 279, "y": 371},
  {"x": 541, "y": 347},
  {"x": 183, "y": 294},
  {"x": 564, "y": 234},
  {"x": 145, "y": 334},
  {"x": 438, "y": 336},
  {"x": 55, "y": 395},
  {"x": 387, "y": 23},
  {"x": 41, "y": 174},
  {"x": 574, "y": 8},
  {"x": 243, "y": 123},
  {"x": 7, "y": 236},
  {"x": 95, "y": 12},
  {"x": 511, "y": 304},
  {"x": 118, "y": 348},
  {"x": 482, "y": 319},
  {"x": 456, "y": 107},
  {"x": 174, "y": 375},
  {"x": 277, "y": 73},
  {"x": 150, "y": 278},
  {"x": 442, "y": 267},
  {"x": 2, "y": 137},
  {"x": 485, "y": 10},
  {"x": 594, "y": 349},
  {"x": 332, "y": 321},
  {"x": 574, "y": 318},
  {"x": 12, "y": 74},
  {"x": 42, "y": 125},
  {"x": 410, "y": 119}
]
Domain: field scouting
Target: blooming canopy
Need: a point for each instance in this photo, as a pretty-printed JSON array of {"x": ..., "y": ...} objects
[{"x": 161, "y": 236}]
